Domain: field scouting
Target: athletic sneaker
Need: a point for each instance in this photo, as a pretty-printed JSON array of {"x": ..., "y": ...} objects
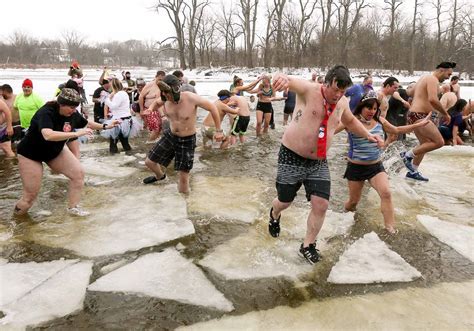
[
  {"x": 310, "y": 253},
  {"x": 407, "y": 161},
  {"x": 274, "y": 225},
  {"x": 77, "y": 211},
  {"x": 417, "y": 176}
]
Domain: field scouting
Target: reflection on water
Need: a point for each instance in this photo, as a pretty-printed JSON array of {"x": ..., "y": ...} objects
[{"x": 221, "y": 227}]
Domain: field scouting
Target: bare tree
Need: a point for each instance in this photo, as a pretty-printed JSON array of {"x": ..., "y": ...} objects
[
  {"x": 438, "y": 6},
  {"x": 174, "y": 9},
  {"x": 327, "y": 11},
  {"x": 74, "y": 42},
  {"x": 194, "y": 11},
  {"x": 413, "y": 40},
  {"x": 452, "y": 30},
  {"x": 248, "y": 18},
  {"x": 307, "y": 8},
  {"x": 279, "y": 6},
  {"x": 392, "y": 7},
  {"x": 349, "y": 14},
  {"x": 266, "y": 40}
]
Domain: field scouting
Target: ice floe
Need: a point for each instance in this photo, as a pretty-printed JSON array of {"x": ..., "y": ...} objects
[
  {"x": 109, "y": 166},
  {"x": 369, "y": 260},
  {"x": 256, "y": 255},
  {"x": 37, "y": 292},
  {"x": 446, "y": 306},
  {"x": 459, "y": 237},
  {"x": 227, "y": 197},
  {"x": 165, "y": 275},
  {"x": 123, "y": 221}
]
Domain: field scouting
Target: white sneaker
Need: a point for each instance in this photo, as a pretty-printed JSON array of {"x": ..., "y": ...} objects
[{"x": 77, "y": 211}]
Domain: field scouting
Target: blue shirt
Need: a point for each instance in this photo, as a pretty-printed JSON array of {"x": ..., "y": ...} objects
[
  {"x": 361, "y": 149},
  {"x": 290, "y": 99},
  {"x": 355, "y": 92}
]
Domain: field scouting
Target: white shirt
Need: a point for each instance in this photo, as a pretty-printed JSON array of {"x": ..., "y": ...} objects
[{"x": 120, "y": 105}]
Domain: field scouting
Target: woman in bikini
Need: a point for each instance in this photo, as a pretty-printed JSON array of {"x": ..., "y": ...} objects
[
  {"x": 265, "y": 94},
  {"x": 364, "y": 157}
]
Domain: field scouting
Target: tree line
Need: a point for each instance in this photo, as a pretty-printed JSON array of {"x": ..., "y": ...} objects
[{"x": 280, "y": 33}]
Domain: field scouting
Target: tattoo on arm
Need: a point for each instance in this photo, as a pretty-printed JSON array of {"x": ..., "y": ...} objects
[{"x": 298, "y": 115}]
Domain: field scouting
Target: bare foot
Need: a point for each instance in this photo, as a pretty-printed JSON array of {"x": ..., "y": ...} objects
[{"x": 391, "y": 230}]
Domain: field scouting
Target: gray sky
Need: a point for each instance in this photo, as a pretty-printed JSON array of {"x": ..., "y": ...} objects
[
  {"x": 107, "y": 20},
  {"x": 97, "y": 20}
]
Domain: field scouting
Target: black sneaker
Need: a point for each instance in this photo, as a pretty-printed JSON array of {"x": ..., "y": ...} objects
[
  {"x": 152, "y": 179},
  {"x": 310, "y": 253},
  {"x": 274, "y": 225}
]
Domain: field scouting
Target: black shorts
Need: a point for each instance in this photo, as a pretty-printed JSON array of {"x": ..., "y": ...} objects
[
  {"x": 240, "y": 125},
  {"x": 362, "y": 172},
  {"x": 288, "y": 109},
  {"x": 171, "y": 146},
  {"x": 295, "y": 170},
  {"x": 265, "y": 107},
  {"x": 445, "y": 132}
]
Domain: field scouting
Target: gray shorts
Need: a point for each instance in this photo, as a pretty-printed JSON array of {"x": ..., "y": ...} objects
[
  {"x": 295, "y": 170},
  {"x": 170, "y": 147}
]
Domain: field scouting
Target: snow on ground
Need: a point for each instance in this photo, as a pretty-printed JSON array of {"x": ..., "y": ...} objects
[
  {"x": 227, "y": 197},
  {"x": 459, "y": 237},
  {"x": 369, "y": 260},
  {"x": 447, "y": 306},
  {"x": 126, "y": 221},
  {"x": 165, "y": 275},
  {"x": 257, "y": 255},
  {"x": 37, "y": 292},
  {"x": 109, "y": 166}
]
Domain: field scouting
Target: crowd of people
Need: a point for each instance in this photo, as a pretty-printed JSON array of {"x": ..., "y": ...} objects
[{"x": 314, "y": 111}]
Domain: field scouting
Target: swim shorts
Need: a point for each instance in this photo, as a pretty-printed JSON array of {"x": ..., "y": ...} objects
[
  {"x": 240, "y": 125},
  {"x": 265, "y": 107},
  {"x": 362, "y": 172},
  {"x": 414, "y": 117}
]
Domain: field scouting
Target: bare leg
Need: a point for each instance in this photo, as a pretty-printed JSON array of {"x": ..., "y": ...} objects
[
  {"x": 355, "y": 192},
  {"x": 266, "y": 123},
  {"x": 183, "y": 184},
  {"x": 258, "y": 127},
  {"x": 242, "y": 138},
  {"x": 391, "y": 138},
  {"x": 74, "y": 148},
  {"x": 278, "y": 207},
  {"x": 155, "y": 167},
  {"x": 430, "y": 139},
  {"x": 285, "y": 118},
  {"x": 319, "y": 206},
  {"x": 381, "y": 185},
  {"x": 68, "y": 165},
  {"x": 7, "y": 149},
  {"x": 154, "y": 135},
  {"x": 31, "y": 173}
]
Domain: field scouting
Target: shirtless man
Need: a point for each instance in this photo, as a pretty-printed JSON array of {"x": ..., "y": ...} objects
[
  {"x": 425, "y": 98},
  {"x": 302, "y": 156},
  {"x": 241, "y": 122},
  {"x": 222, "y": 104},
  {"x": 389, "y": 86},
  {"x": 178, "y": 142},
  {"x": 454, "y": 86},
  {"x": 9, "y": 98},
  {"x": 6, "y": 129},
  {"x": 153, "y": 119}
]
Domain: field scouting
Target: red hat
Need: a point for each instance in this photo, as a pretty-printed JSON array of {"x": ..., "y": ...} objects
[{"x": 27, "y": 83}]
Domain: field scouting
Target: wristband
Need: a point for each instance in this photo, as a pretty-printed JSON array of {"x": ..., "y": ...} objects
[
  {"x": 104, "y": 126},
  {"x": 219, "y": 130}
]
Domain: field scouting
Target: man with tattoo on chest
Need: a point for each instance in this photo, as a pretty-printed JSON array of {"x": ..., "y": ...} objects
[{"x": 302, "y": 157}]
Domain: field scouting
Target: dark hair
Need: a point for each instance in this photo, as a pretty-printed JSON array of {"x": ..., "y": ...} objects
[
  {"x": 458, "y": 107},
  {"x": 446, "y": 65},
  {"x": 160, "y": 73},
  {"x": 7, "y": 88},
  {"x": 340, "y": 75},
  {"x": 390, "y": 81},
  {"x": 224, "y": 93},
  {"x": 178, "y": 73},
  {"x": 192, "y": 82},
  {"x": 454, "y": 78},
  {"x": 368, "y": 103},
  {"x": 72, "y": 84}
]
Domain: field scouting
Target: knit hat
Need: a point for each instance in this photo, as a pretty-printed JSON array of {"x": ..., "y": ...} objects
[
  {"x": 27, "y": 83},
  {"x": 69, "y": 97}
]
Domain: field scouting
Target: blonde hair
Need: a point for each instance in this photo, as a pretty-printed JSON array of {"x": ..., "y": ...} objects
[{"x": 116, "y": 85}]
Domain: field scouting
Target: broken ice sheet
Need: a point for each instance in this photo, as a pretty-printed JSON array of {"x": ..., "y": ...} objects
[
  {"x": 165, "y": 275},
  {"x": 369, "y": 260}
]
